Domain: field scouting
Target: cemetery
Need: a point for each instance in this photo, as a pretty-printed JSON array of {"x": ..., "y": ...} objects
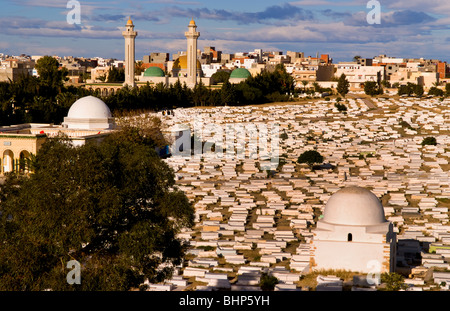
[{"x": 251, "y": 221}]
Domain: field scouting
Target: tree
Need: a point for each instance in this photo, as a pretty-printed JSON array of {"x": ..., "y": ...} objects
[
  {"x": 447, "y": 89},
  {"x": 356, "y": 58},
  {"x": 227, "y": 94},
  {"x": 139, "y": 68},
  {"x": 310, "y": 157},
  {"x": 268, "y": 282},
  {"x": 393, "y": 281},
  {"x": 50, "y": 75},
  {"x": 115, "y": 75},
  {"x": 429, "y": 141},
  {"x": 221, "y": 76},
  {"x": 317, "y": 87},
  {"x": 407, "y": 89},
  {"x": 372, "y": 88},
  {"x": 340, "y": 107},
  {"x": 200, "y": 94},
  {"x": 386, "y": 84},
  {"x": 112, "y": 206},
  {"x": 343, "y": 85},
  {"x": 418, "y": 90},
  {"x": 304, "y": 83},
  {"x": 434, "y": 91},
  {"x": 285, "y": 81}
]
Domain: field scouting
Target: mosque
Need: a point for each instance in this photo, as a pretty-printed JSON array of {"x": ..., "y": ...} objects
[
  {"x": 186, "y": 69},
  {"x": 353, "y": 234},
  {"x": 88, "y": 119}
]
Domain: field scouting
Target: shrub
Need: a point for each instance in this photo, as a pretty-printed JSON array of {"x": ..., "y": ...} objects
[
  {"x": 310, "y": 157},
  {"x": 340, "y": 107},
  {"x": 268, "y": 282},
  {"x": 434, "y": 91},
  {"x": 429, "y": 141}
]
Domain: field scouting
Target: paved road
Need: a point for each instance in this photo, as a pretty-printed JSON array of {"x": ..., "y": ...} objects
[{"x": 369, "y": 103}]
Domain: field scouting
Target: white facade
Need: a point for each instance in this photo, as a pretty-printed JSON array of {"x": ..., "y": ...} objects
[
  {"x": 354, "y": 234},
  {"x": 210, "y": 69},
  {"x": 246, "y": 63},
  {"x": 357, "y": 74}
]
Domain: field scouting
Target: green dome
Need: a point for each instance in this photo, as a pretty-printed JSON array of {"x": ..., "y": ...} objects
[
  {"x": 154, "y": 72},
  {"x": 240, "y": 73}
]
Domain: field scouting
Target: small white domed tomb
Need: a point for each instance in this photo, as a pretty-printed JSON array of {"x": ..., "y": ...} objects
[
  {"x": 89, "y": 113},
  {"x": 353, "y": 234}
]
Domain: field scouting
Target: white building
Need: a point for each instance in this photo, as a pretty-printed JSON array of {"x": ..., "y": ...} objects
[
  {"x": 89, "y": 113},
  {"x": 357, "y": 74},
  {"x": 354, "y": 234},
  {"x": 210, "y": 69}
]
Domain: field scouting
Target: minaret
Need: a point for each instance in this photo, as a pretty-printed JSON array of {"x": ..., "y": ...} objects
[
  {"x": 130, "y": 35},
  {"x": 192, "y": 36}
]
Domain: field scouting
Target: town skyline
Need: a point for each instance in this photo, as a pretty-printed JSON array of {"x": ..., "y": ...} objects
[{"x": 338, "y": 28}]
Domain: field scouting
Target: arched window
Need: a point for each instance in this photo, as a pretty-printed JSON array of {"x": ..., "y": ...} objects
[{"x": 349, "y": 237}]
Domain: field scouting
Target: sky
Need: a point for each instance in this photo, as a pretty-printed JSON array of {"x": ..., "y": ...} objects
[{"x": 407, "y": 28}]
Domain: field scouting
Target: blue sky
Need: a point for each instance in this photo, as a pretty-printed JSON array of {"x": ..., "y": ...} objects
[{"x": 408, "y": 27}]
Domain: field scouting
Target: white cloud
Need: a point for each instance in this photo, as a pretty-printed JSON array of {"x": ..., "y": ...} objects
[{"x": 434, "y": 6}]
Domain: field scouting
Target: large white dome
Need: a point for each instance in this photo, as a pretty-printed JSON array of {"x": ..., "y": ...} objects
[
  {"x": 89, "y": 113},
  {"x": 354, "y": 206},
  {"x": 89, "y": 107}
]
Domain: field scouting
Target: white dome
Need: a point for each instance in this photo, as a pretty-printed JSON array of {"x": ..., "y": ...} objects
[
  {"x": 354, "y": 206},
  {"x": 89, "y": 107}
]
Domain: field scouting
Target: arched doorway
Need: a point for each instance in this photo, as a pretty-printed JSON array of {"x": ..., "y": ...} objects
[
  {"x": 8, "y": 161},
  {"x": 24, "y": 162}
]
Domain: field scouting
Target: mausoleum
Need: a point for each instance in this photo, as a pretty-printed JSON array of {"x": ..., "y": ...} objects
[
  {"x": 354, "y": 234},
  {"x": 89, "y": 118}
]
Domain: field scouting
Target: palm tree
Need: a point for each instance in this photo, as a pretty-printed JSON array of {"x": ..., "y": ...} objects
[
  {"x": 305, "y": 83},
  {"x": 356, "y": 58},
  {"x": 436, "y": 84}
]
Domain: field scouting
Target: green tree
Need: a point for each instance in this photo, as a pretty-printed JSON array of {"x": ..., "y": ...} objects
[
  {"x": 221, "y": 76},
  {"x": 418, "y": 90},
  {"x": 268, "y": 282},
  {"x": 50, "y": 74},
  {"x": 139, "y": 68},
  {"x": 385, "y": 83},
  {"x": 317, "y": 87},
  {"x": 310, "y": 157},
  {"x": 343, "y": 86},
  {"x": 431, "y": 141},
  {"x": 340, "y": 107},
  {"x": 304, "y": 83},
  {"x": 113, "y": 206},
  {"x": 372, "y": 88},
  {"x": 435, "y": 91},
  {"x": 116, "y": 75},
  {"x": 447, "y": 89},
  {"x": 200, "y": 94},
  {"x": 228, "y": 94},
  {"x": 410, "y": 89},
  {"x": 393, "y": 281}
]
